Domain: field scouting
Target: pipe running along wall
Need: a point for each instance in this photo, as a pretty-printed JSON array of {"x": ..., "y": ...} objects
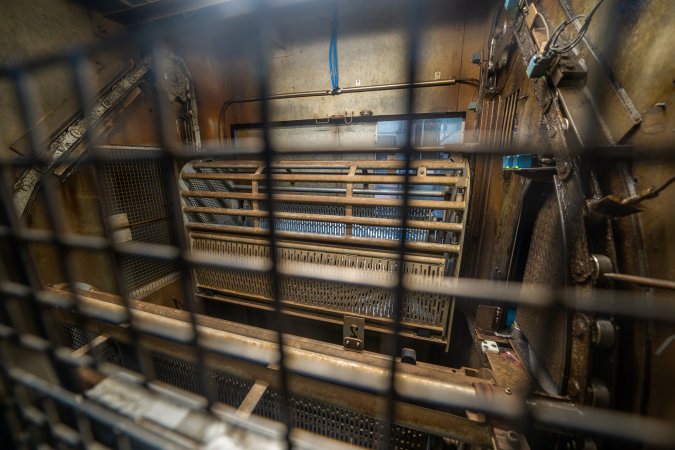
[{"x": 329, "y": 93}]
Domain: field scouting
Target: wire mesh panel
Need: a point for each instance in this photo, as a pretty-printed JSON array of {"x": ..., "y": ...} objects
[
  {"x": 137, "y": 203},
  {"x": 327, "y": 420}
]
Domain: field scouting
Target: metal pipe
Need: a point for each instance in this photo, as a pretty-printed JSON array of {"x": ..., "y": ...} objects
[
  {"x": 642, "y": 281},
  {"x": 342, "y": 164},
  {"x": 335, "y": 239},
  {"x": 372, "y": 221},
  {"x": 328, "y": 93},
  {"x": 396, "y": 86},
  {"x": 326, "y": 178},
  {"x": 240, "y": 187},
  {"x": 327, "y": 200},
  {"x": 454, "y": 390}
]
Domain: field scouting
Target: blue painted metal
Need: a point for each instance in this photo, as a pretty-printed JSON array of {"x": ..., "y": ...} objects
[{"x": 516, "y": 162}]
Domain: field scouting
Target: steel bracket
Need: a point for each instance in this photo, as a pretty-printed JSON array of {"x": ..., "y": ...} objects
[
  {"x": 580, "y": 357},
  {"x": 353, "y": 333}
]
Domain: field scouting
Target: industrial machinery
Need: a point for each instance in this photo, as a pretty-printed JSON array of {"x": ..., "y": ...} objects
[{"x": 297, "y": 223}]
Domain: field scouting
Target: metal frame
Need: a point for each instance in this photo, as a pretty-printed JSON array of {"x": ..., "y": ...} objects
[{"x": 316, "y": 239}]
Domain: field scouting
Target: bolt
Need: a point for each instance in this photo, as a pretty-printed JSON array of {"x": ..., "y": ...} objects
[
  {"x": 574, "y": 388},
  {"x": 601, "y": 264},
  {"x": 580, "y": 327},
  {"x": 578, "y": 275},
  {"x": 604, "y": 334},
  {"x": 564, "y": 170}
]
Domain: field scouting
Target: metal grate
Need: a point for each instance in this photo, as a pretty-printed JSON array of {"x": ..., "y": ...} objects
[
  {"x": 419, "y": 310},
  {"x": 47, "y": 392},
  {"x": 317, "y": 417},
  {"x": 132, "y": 187},
  {"x": 229, "y": 390},
  {"x": 340, "y": 424}
]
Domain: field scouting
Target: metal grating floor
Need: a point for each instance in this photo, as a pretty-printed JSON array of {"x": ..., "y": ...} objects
[
  {"x": 338, "y": 423},
  {"x": 317, "y": 417}
]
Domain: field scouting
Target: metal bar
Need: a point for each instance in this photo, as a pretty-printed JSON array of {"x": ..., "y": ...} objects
[
  {"x": 433, "y": 204},
  {"x": 394, "y": 388},
  {"x": 322, "y": 164},
  {"x": 423, "y": 224},
  {"x": 347, "y": 90},
  {"x": 625, "y": 426},
  {"x": 306, "y": 177},
  {"x": 252, "y": 398},
  {"x": 255, "y": 205},
  {"x": 262, "y": 81},
  {"x": 409, "y": 257},
  {"x": 353, "y": 240},
  {"x": 343, "y": 191},
  {"x": 349, "y": 193},
  {"x": 641, "y": 281}
]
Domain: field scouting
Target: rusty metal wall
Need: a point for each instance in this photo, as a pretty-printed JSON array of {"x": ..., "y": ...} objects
[{"x": 633, "y": 38}]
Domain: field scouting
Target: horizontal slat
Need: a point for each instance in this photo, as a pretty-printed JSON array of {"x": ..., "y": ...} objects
[
  {"x": 327, "y": 178},
  {"x": 319, "y": 311},
  {"x": 372, "y": 243},
  {"x": 364, "y": 164},
  {"x": 329, "y": 200},
  {"x": 375, "y": 221},
  {"x": 314, "y": 247}
]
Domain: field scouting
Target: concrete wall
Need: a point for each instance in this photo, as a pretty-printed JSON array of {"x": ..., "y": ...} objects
[
  {"x": 46, "y": 27},
  {"x": 372, "y": 48}
]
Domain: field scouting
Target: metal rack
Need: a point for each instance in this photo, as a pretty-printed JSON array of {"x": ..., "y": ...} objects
[{"x": 339, "y": 214}]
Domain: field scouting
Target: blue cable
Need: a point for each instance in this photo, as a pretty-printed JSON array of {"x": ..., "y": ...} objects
[{"x": 332, "y": 53}]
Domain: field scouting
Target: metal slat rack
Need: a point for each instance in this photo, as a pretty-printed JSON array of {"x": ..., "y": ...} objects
[
  {"x": 178, "y": 377},
  {"x": 342, "y": 214}
]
